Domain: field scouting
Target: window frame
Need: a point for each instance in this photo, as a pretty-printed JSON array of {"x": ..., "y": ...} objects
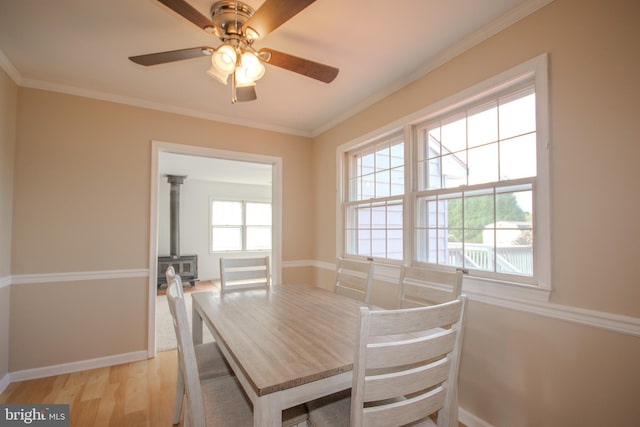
[
  {"x": 534, "y": 71},
  {"x": 243, "y": 226}
]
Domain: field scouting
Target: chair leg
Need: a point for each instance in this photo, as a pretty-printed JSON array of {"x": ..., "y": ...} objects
[{"x": 177, "y": 407}]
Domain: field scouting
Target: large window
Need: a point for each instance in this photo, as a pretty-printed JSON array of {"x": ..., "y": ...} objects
[
  {"x": 475, "y": 188},
  {"x": 240, "y": 226},
  {"x": 461, "y": 185},
  {"x": 375, "y": 191}
]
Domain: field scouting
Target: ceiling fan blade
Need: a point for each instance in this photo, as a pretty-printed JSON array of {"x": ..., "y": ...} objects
[
  {"x": 315, "y": 70},
  {"x": 189, "y": 13},
  {"x": 271, "y": 15},
  {"x": 172, "y": 55}
]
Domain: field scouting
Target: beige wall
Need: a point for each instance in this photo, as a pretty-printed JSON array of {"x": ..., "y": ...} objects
[
  {"x": 82, "y": 195},
  {"x": 8, "y": 106},
  {"x": 520, "y": 369},
  {"x": 81, "y": 203}
]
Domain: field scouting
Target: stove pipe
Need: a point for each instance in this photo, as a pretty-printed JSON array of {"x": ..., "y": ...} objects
[{"x": 174, "y": 214}]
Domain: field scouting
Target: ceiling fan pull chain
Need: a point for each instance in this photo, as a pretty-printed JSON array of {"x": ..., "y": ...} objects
[{"x": 234, "y": 97}]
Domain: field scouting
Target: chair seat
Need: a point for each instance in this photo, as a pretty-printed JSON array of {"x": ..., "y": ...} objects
[
  {"x": 211, "y": 361},
  {"x": 226, "y": 405}
]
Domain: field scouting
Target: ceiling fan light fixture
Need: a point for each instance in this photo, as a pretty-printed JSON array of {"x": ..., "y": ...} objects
[
  {"x": 220, "y": 76},
  {"x": 224, "y": 59},
  {"x": 251, "y": 67}
]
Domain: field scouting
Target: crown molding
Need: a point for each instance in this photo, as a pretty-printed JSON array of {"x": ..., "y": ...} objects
[{"x": 8, "y": 68}]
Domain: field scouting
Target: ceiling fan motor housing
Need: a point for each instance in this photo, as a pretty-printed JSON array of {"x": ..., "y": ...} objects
[{"x": 228, "y": 17}]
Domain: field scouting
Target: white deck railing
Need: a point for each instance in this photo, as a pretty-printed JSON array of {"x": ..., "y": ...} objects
[{"x": 517, "y": 259}]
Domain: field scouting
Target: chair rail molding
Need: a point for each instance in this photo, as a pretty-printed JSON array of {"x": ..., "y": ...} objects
[
  {"x": 22, "y": 279},
  {"x": 529, "y": 300},
  {"x": 5, "y": 281}
]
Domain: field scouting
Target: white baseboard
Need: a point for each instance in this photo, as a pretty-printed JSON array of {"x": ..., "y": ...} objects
[
  {"x": 82, "y": 365},
  {"x": 470, "y": 420},
  {"x": 4, "y": 382}
]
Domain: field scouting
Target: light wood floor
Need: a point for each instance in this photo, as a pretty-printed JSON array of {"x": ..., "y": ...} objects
[
  {"x": 134, "y": 394},
  {"x": 137, "y": 394}
]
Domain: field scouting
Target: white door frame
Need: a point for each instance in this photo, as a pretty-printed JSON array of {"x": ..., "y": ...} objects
[{"x": 158, "y": 147}]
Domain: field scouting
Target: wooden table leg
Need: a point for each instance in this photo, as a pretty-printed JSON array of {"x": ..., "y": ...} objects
[{"x": 196, "y": 327}]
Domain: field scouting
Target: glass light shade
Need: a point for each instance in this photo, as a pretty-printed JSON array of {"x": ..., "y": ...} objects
[
  {"x": 252, "y": 69},
  {"x": 221, "y": 76},
  {"x": 224, "y": 58}
]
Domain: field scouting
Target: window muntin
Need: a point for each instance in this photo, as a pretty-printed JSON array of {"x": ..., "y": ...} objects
[
  {"x": 240, "y": 226},
  {"x": 476, "y": 172},
  {"x": 374, "y": 211}
]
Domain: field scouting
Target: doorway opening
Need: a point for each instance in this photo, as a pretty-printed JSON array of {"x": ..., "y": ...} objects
[{"x": 207, "y": 177}]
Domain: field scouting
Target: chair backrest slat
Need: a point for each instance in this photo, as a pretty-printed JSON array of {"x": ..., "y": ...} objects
[
  {"x": 354, "y": 279},
  {"x": 383, "y": 387},
  {"x": 406, "y": 365},
  {"x": 423, "y": 286},
  {"x": 244, "y": 273},
  {"x": 412, "y": 351}
]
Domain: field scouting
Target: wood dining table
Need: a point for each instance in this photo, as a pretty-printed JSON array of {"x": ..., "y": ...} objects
[{"x": 287, "y": 345}]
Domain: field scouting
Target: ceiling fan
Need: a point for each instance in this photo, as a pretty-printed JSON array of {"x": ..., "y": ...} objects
[{"x": 238, "y": 26}]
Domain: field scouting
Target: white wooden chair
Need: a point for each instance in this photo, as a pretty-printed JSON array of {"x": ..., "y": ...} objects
[
  {"x": 422, "y": 286},
  {"x": 209, "y": 359},
  {"x": 405, "y": 370},
  {"x": 354, "y": 279},
  {"x": 218, "y": 401},
  {"x": 169, "y": 273},
  {"x": 244, "y": 273}
]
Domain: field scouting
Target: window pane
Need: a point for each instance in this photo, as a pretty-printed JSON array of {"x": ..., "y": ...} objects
[
  {"x": 226, "y": 238},
  {"x": 364, "y": 242},
  {"x": 383, "y": 159},
  {"x": 454, "y": 134},
  {"x": 478, "y": 213},
  {"x": 383, "y": 183},
  {"x": 518, "y": 157},
  {"x": 397, "y": 155},
  {"x": 378, "y": 217},
  {"x": 394, "y": 216},
  {"x": 454, "y": 170},
  {"x": 483, "y": 124},
  {"x": 379, "y": 243},
  {"x": 367, "y": 164},
  {"x": 226, "y": 213},
  {"x": 433, "y": 174},
  {"x": 517, "y": 114},
  {"x": 258, "y": 238},
  {"x": 368, "y": 187},
  {"x": 258, "y": 214},
  {"x": 432, "y": 143},
  {"x": 483, "y": 164},
  {"x": 451, "y": 254},
  {"x": 397, "y": 181},
  {"x": 394, "y": 244}
]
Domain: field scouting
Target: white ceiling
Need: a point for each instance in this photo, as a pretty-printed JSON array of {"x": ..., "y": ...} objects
[
  {"x": 213, "y": 169},
  {"x": 82, "y": 47}
]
